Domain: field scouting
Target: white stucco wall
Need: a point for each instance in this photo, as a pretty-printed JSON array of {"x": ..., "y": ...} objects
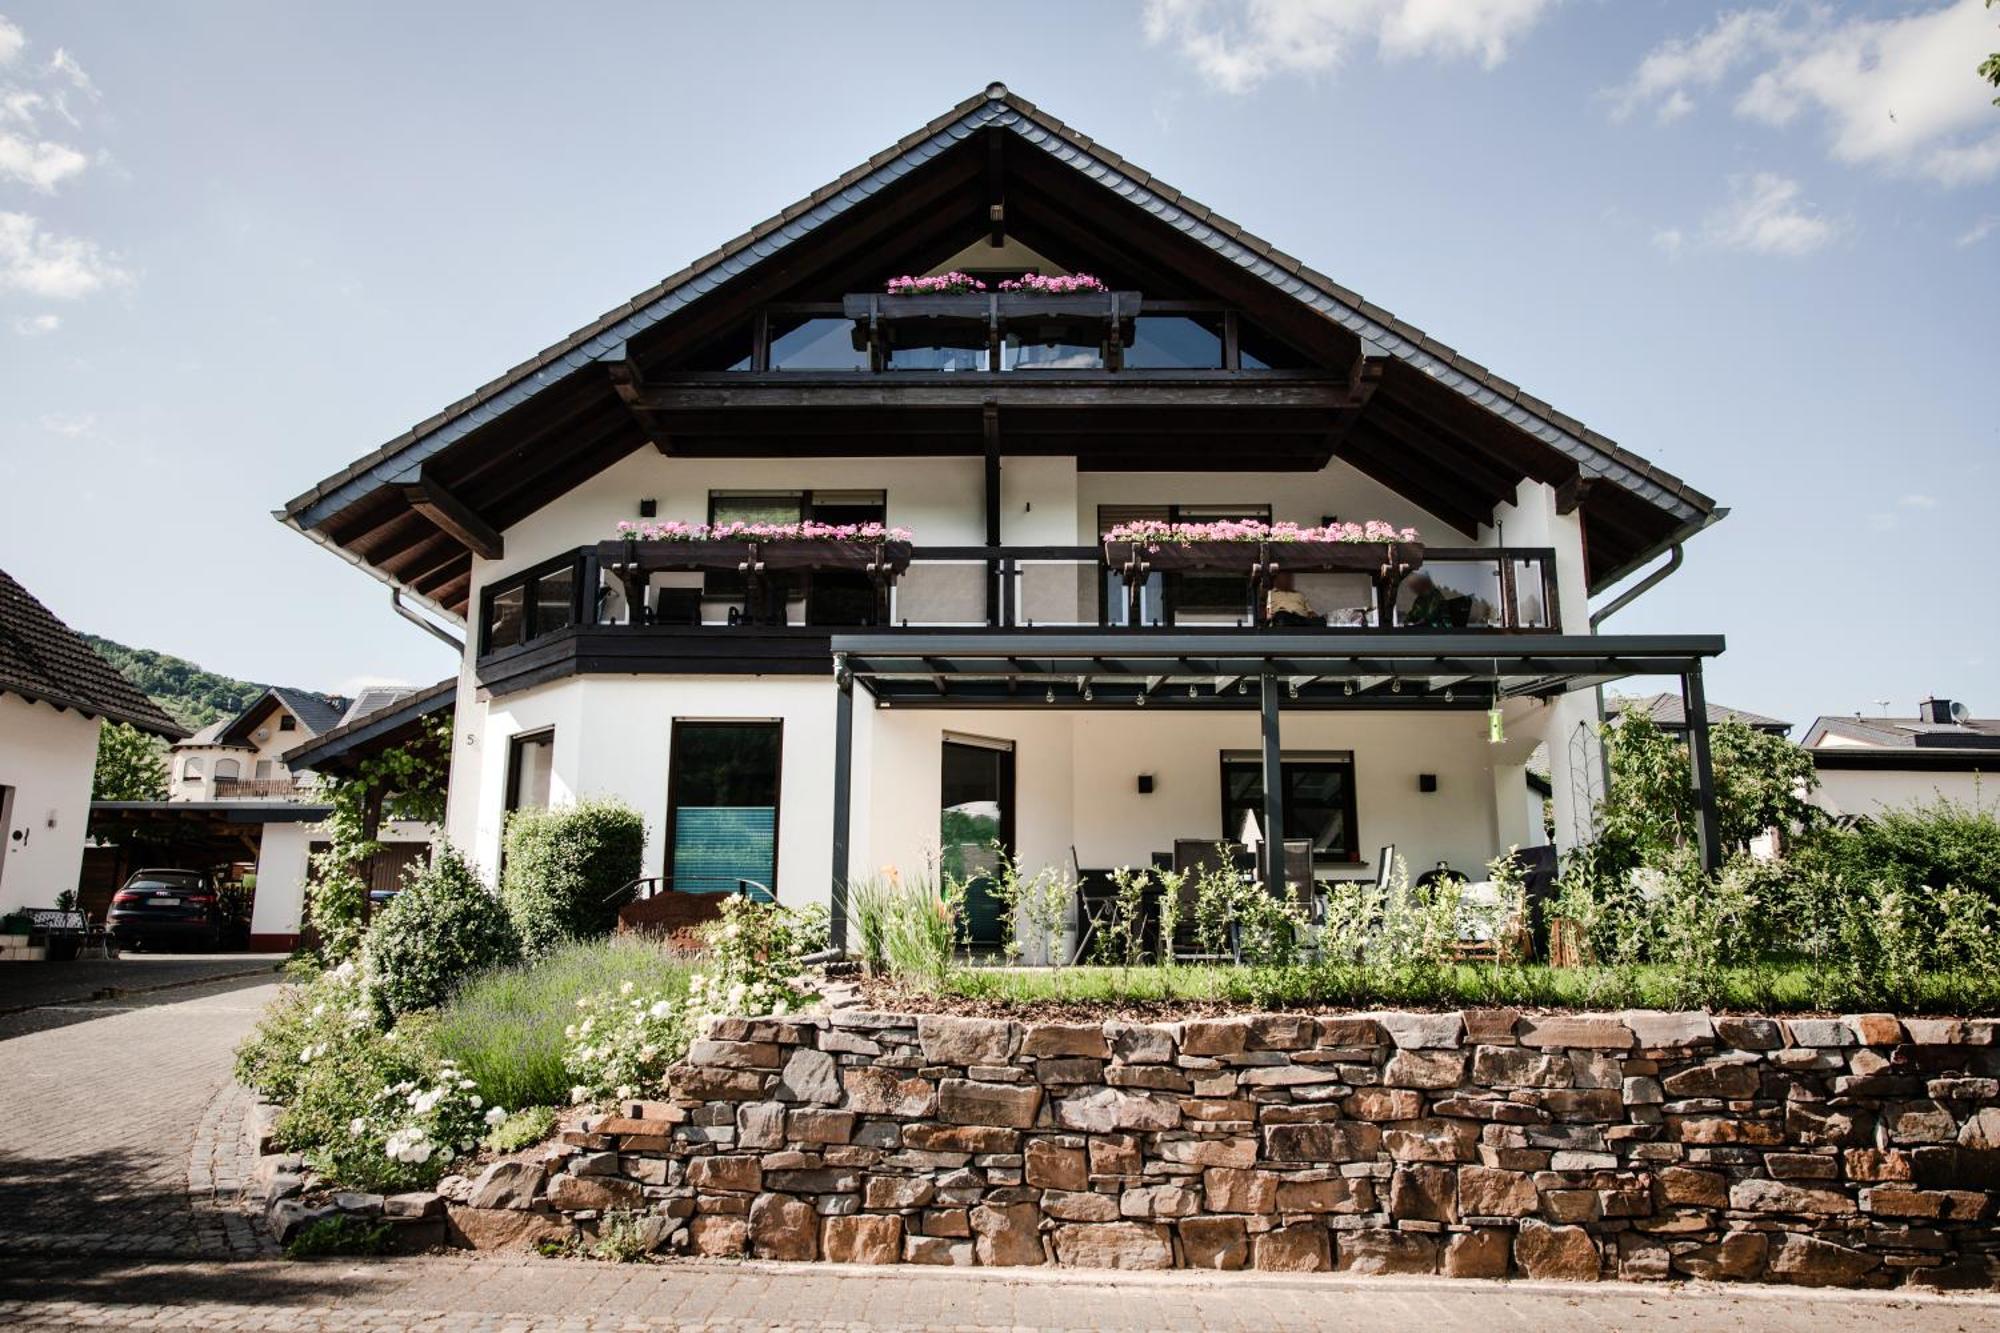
[
  {"x": 283, "y": 861},
  {"x": 1844, "y": 791},
  {"x": 47, "y": 758}
]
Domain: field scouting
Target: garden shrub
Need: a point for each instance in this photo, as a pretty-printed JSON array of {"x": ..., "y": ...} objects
[
  {"x": 754, "y": 953},
  {"x": 564, "y": 867},
  {"x": 333, "y": 1009},
  {"x": 443, "y": 927},
  {"x": 1936, "y": 844},
  {"x": 341, "y": 1234},
  {"x": 624, "y": 1042},
  {"x": 522, "y": 1129},
  {"x": 505, "y": 1026}
]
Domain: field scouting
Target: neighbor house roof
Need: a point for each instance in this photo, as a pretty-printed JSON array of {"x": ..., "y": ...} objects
[
  {"x": 316, "y": 713},
  {"x": 1902, "y": 733},
  {"x": 1669, "y": 713},
  {"x": 45, "y": 660},
  {"x": 399, "y": 462},
  {"x": 358, "y": 737}
]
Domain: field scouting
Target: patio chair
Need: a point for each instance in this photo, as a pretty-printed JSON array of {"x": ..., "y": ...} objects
[{"x": 1196, "y": 858}]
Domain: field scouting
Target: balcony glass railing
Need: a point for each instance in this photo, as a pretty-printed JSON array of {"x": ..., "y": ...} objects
[{"x": 1463, "y": 589}]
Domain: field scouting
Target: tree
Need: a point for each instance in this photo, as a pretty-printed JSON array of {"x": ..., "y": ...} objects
[
  {"x": 408, "y": 782},
  {"x": 1990, "y": 70},
  {"x": 1761, "y": 782},
  {"x": 131, "y": 766}
]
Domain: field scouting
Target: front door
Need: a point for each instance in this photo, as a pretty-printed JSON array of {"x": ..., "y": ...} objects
[{"x": 975, "y": 824}]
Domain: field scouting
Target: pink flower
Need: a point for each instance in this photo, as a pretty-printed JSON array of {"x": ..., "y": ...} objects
[{"x": 1153, "y": 533}]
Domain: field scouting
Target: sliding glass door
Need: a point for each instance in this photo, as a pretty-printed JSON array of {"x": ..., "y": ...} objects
[
  {"x": 975, "y": 824},
  {"x": 722, "y": 807}
]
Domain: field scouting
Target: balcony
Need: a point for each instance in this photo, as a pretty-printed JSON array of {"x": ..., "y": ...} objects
[
  {"x": 259, "y": 789},
  {"x": 665, "y": 608}
]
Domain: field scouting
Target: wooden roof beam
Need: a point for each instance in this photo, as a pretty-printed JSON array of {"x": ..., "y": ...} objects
[
  {"x": 452, "y": 515},
  {"x": 996, "y": 186},
  {"x": 629, "y": 383}
]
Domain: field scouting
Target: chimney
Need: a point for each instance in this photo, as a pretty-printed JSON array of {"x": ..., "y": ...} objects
[{"x": 1934, "y": 710}]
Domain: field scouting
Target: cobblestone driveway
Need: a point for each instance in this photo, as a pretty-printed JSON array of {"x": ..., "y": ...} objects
[{"x": 121, "y": 1131}]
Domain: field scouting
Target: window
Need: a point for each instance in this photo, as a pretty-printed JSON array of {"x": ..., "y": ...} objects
[
  {"x": 814, "y": 344},
  {"x": 831, "y": 597},
  {"x": 530, "y": 763},
  {"x": 1169, "y": 599},
  {"x": 722, "y": 806},
  {"x": 529, "y": 605},
  {"x": 1318, "y": 800},
  {"x": 1175, "y": 342},
  {"x": 191, "y": 770},
  {"x": 227, "y": 770},
  {"x": 267, "y": 770},
  {"x": 288, "y": 723}
]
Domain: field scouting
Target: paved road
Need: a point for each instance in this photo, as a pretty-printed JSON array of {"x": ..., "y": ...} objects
[
  {"x": 34, "y": 996},
  {"x": 488, "y": 1293},
  {"x": 122, "y": 1143}
]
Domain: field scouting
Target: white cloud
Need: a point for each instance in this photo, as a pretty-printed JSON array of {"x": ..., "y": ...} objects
[
  {"x": 1979, "y": 230},
  {"x": 40, "y": 164},
  {"x": 43, "y": 263},
  {"x": 1670, "y": 239},
  {"x": 1765, "y": 216},
  {"x": 12, "y": 39},
  {"x": 1237, "y": 44},
  {"x": 34, "y": 326},
  {"x": 64, "y": 65},
  {"x": 1918, "y": 502},
  {"x": 1896, "y": 93},
  {"x": 1882, "y": 522},
  {"x": 70, "y": 425}
]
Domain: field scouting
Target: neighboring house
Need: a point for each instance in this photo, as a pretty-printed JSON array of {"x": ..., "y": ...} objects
[
  {"x": 55, "y": 695},
  {"x": 1013, "y": 684},
  {"x": 1869, "y": 764},
  {"x": 242, "y": 757},
  {"x": 1669, "y": 713},
  {"x": 237, "y": 807}
]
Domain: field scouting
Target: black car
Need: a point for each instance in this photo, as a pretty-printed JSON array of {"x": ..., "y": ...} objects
[{"x": 160, "y": 907}]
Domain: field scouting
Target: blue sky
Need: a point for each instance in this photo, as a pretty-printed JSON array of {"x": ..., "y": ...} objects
[{"x": 242, "y": 244}]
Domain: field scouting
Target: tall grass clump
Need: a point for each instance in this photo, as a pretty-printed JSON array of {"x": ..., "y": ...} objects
[
  {"x": 908, "y": 928},
  {"x": 505, "y": 1027}
]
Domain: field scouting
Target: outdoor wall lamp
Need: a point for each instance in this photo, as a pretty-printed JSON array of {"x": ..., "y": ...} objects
[{"x": 1145, "y": 784}]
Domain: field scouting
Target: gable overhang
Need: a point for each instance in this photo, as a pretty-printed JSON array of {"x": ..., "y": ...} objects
[{"x": 435, "y": 575}]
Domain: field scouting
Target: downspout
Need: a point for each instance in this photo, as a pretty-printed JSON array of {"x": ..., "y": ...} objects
[{"x": 437, "y": 632}]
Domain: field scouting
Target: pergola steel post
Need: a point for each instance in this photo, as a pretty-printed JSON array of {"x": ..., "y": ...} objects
[
  {"x": 1274, "y": 787},
  {"x": 1694, "y": 705},
  {"x": 843, "y": 783}
]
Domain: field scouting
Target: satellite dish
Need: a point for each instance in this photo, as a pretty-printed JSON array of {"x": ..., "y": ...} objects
[
  {"x": 263, "y": 733},
  {"x": 1960, "y": 713}
]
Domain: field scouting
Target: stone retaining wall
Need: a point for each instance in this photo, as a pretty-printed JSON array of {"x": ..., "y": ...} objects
[{"x": 1851, "y": 1151}]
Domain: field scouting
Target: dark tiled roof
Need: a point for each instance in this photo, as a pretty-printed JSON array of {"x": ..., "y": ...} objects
[
  {"x": 357, "y": 732},
  {"x": 317, "y": 713},
  {"x": 997, "y": 106},
  {"x": 42, "y": 658},
  {"x": 1906, "y": 733},
  {"x": 1670, "y": 714}
]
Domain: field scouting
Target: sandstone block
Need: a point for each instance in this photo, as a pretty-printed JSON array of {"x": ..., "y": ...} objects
[
  {"x": 1775, "y": 1196},
  {"x": 1555, "y": 1253},
  {"x": 872, "y": 1090},
  {"x": 1051, "y": 1166},
  {"x": 818, "y": 1127},
  {"x": 1642, "y": 1258},
  {"x": 1737, "y": 1256},
  {"x": 1686, "y": 1185},
  {"x": 1280, "y": 1032},
  {"x": 1378, "y": 1252},
  {"x": 1207, "y": 1152},
  {"x": 760, "y": 1125},
  {"x": 1102, "y": 1110},
  {"x": 809, "y": 1076},
  {"x": 960, "y": 1138},
  {"x": 1482, "y": 1253},
  {"x": 1384, "y": 1104},
  {"x": 734, "y": 1054},
  {"x": 938, "y": 1250},
  {"x": 1078, "y": 1206},
  {"x": 1008, "y": 1235},
  {"x": 1938, "y": 1205},
  {"x": 1215, "y": 1242},
  {"x": 864, "y": 1238},
  {"x": 1065, "y": 1039},
  {"x": 1334, "y": 1142},
  {"x": 782, "y": 1227},
  {"x": 1228, "y": 1190},
  {"x": 965, "y": 1102},
  {"x": 715, "y": 1236},
  {"x": 1351, "y": 1031},
  {"x": 1425, "y": 1068},
  {"x": 1222, "y": 1036},
  {"x": 1599, "y": 1032},
  {"x": 570, "y": 1193},
  {"x": 1490, "y": 1027},
  {"x": 1141, "y": 1043},
  {"x": 1158, "y": 1201},
  {"x": 1129, "y": 1245},
  {"x": 1520, "y": 1067},
  {"x": 1811, "y": 1262},
  {"x": 967, "y": 1041},
  {"x": 1420, "y": 1193},
  {"x": 1423, "y": 1031},
  {"x": 897, "y": 1192},
  {"x": 1486, "y": 1192},
  {"x": 1336, "y": 1194},
  {"x": 1303, "y": 1248},
  {"x": 1115, "y": 1155},
  {"x": 744, "y": 1174},
  {"x": 1826, "y": 1032},
  {"x": 1654, "y": 1030},
  {"x": 507, "y": 1185}
]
